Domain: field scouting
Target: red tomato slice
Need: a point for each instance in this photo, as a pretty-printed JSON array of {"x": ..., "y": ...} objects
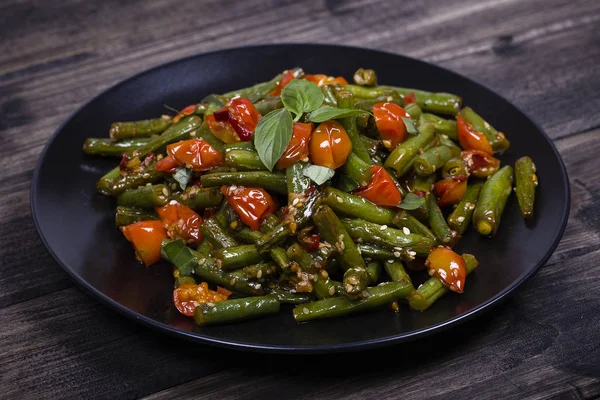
[
  {"x": 449, "y": 267},
  {"x": 322, "y": 79},
  {"x": 189, "y": 110},
  {"x": 189, "y": 296},
  {"x": 381, "y": 190},
  {"x": 388, "y": 117},
  {"x": 252, "y": 205},
  {"x": 167, "y": 164},
  {"x": 181, "y": 222},
  {"x": 289, "y": 75},
  {"x": 470, "y": 139},
  {"x": 297, "y": 149},
  {"x": 235, "y": 122},
  {"x": 146, "y": 237},
  {"x": 451, "y": 190},
  {"x": 410, "y": 99},
  {"x": 195, "y": 153},
  {"x": 479, "y": 163}
]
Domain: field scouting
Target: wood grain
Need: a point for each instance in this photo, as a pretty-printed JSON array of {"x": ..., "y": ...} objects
[{"x": 56, "y": 342}]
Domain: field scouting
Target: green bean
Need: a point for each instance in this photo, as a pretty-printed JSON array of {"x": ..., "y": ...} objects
[
  {"x": 279, "y": 256},
  {"x": 248, "y": 146},
  {"x": 128, "y": 216},
  {"x": 345, "y": 99},
  {"x": 373, "y": 272},
  {"x": 296, "y": 253},
  {"x": 286, "y": 297},
  {"x": 438, "y": 224},
  {"x": 145, "y": 197},
  {"x": 431, "y": 160},
  {"x": 397, "y": 272},
  {"x": 365, "y": 77},
  {"x": 261, "y": 90},
  {"x": 372, "y": 145},
  {"x": 329, "y": 96},
  {"x": 113, "y": 183},
  {"x": 371, "y": 252},
  {"x": 403, "y": 219},
  {"x": 421, "y": 183},
  {"x": 235, "y": 310},
  {"x": 267, "y": 180},
  {"x": 174, "y": 133},
  {"x": 243, "y": 160},
  {"x": 491, "y": 201},
  {"x": 269, "y": 104},
  {"x": 184, "y": 280},
  {"x": 137, "y": 129},
  {"x": 269, "y": 223},
  {"x": 402, "y": 157},
  {"x": 327, "y": 287},
  {"x": 356, "y": 206},
  {"x": 454, "y": 167},
  {"x": 413, "y": 110},
  {"x": 355, "y": 281},
  {"x": 497, "y": 139},
  {"x": 297, "y": 183},
  {"x": 461, "y": 216},
  {"x": 205, "y": 248},
  {"x": 112, "y": 148},
  {"x": 216, "y": 235},
  {"x": 389, "y": 237},
  {"x": 357, "y": 169},
  {"x": 224, "y": 215},
  {"x": 526, "y": 182},
  {"x": 433, "y": 288},
  {"x": 198, "y": 198},
  {"x": 237, "y": 257},
  {"x": 339, "y": 306},
  {"x": 260, "y": 270},
  {"x": 246, "y": 235},
  {"x": 442, "y": 126}
]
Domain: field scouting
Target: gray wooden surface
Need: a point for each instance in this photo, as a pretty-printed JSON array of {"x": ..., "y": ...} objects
[{"x": 56, "y": 342}]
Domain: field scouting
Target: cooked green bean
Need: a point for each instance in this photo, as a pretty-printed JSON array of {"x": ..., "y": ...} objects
[
  {"x": 243, "y": 160},
  {"x": 438, "y": 224},
  {"x": 497, "y": 139},
  {"x": 442, "y": 126},
  {"x": 461, "y": 216},
  {"x": 216, "y": 235},
  {"x": 198, "y": 198},
  {"x": 491, "y": 201},
  {"x": 454, "y": 167},
  {"x": 222, "y": 312},
  {"x": 145, "y": 196},
  {"x": 526, "y": 182},
  {"x": 129, "y": 215},
  {"x": 112, "y": 148},
  {"x": 138, "y": 129},
  {"x": 268, "y": 180},
  {"x": 402, "y": 157}
]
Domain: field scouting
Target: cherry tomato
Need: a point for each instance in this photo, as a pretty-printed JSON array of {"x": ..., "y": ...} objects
[
  {"x": 381, "y": 190},
  {"x": 388, "y": 117},
  {"x": 235, "y": 122},
  {"x": 195, "y": 153},
  {"x": 451, "y": 190},
  {"x": 289, "y": 75},
  {"x": 297, "y": 149},
  {"x": 146, "y": 237},
  {"x": 189, "y": 110},
  {"x": 449, "y": 267},
  {"x": 252, "y": 205},
  {"x": 322, "y": 80},
  {"x": 167, "y": 164},
  {"x": 470, "y": 139},
  {"x": 189, "y": 296},
  {"x": 330, "y": 145},
  {"x": 480, "y": 164},
  {"x": 181, "y": 222},
  {"x": 410, "y": 99}
]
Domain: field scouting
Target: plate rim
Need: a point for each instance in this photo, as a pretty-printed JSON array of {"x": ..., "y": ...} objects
[{"x": 158, "y": 326}]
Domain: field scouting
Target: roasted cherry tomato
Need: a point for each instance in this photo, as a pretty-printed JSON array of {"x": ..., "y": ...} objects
[
  {"x": 388, "y": 117},
  {"x": 480, "y": 164},
  {"x": 195, "y": 153},
  {"x": 289, "y": 75},
  {"x": 189, "y": 296},
  {"x": 322, "y": 80},
  {"x": 410, "y": 99},
  {"x": 181, "y": 222},
  {"x": 189, "y": 110},
  {"x": 235, "y": 122},
  {"x": 297, "y": 148},
  {"x": 146, "y": 237},
  {"x": 252, "y": 205},
  {"x": 166, "y": 164},
  {"x": 330, "y": 145},
  {"x": 470, "y": 139},
  {"x": 451, "y": 190},
  {"x": 381, "y": 190},
  {"x": 449, "y": 267}
]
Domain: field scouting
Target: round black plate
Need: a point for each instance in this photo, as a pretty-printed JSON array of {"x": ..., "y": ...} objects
[{"x": 77, "y": 225}]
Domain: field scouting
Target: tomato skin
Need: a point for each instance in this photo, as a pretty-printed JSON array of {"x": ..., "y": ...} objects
[
  {"x": 388, "y": 117},
  {"x": 479, "y": 163},
  {"x": 195, "y": 153},
  {"x": 410, "y": 99},
  {"x": 381, "y": 190},
  {"x": 297, "y": 148},
  {"x": 181, "y": 222},
  {"x": 330, "y": 145},
  {"x": 189, "y": 296},
  {"x": 470, "y": 139},
  {"x": 450, "y": 190},
  {"x": 167, "y": 164},
  {"x": 189, "y": 110},
  {"x": 289, "y": 75},
  {"x": 449, "y": 267},
  {"x": 235, "y": 122},
  {"x": 252, "y": 205},
  {"x": 322, "y": 79},
  {"x": 146, "y": 237}
]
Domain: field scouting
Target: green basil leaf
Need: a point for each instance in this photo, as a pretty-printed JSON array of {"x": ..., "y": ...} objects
[
  {"x": 347, "y": 184},
  {"x": 178, "y": 254},
  {"x": 318, "y": 174},
  {"x": 411, "y": 202},
  {"x": 410, "y": 126},
  {"x": 300, "y": 96},
  {"x": 325, "y": 113},
  {"x": 272, "y": 135},
  {"x": 182, "y": 175}
]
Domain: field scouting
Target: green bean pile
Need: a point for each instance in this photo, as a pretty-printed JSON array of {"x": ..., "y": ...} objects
[{"x": 340, "y": 231}]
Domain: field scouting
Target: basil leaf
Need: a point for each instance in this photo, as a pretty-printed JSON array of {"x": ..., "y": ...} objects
[
  {"x": 411, "y": 202},
  {"x": 300, "y": 96},
  {"x": 410, "y": 126},
  {"x": 318, "y": 174},
  {"x": 182, "y": 175},
  {"x": 325, "y": 113},
  {"x": 178, "y": 254},
  {"x": 347, "y": 184},
  {"x": 272, "y": 135}
]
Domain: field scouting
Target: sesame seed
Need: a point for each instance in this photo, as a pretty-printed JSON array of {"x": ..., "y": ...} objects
[
  {"x": 159, "y": 157},
  {"x": 258, "y": 286},
  {"x": 406, "y": 231},
  {"x": 340, "y": 200},
  {"x": 173, "y": 202},
  {"x": 146, "y": 175},
  {"x": 232, "y": 282},
  {"x": 364, "y": 183},
  {"x": 390, "y": 261},
  {"x": 342, "y": 246},
  {"x": 460, "y": 219},
  {"x": 383, "y": 227},
  {"x": 201, "y": 261},
  {"x": 348, "y": 287},
  {"x": 412, "y": 253},
  {"x": 193, "y": 133},
  {"x": 397, "y": 254},
  {"x": 233, "y": 187},
  {"x": 296, "y": 200},
  {"x": 148, "y": 184},
  {"x": 259, "y": 274},
  {"x": 332, "y": 291},
  {"x": 359, "y": 240},
  {"x": 431, "y": 272},
  {"x": 161, "y": 198},
  {"x": 341, "y": 237},
  {"x": 210, "y": 304},
  {"x": 165, "y": 191},
  {"x": 305, "y": 310}
]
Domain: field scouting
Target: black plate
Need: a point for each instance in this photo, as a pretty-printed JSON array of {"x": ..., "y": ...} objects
[{"x": 77, "y": 225}]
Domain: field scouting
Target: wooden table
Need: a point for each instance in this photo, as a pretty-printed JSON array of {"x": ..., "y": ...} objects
[{"x": 55, "y": 341}]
